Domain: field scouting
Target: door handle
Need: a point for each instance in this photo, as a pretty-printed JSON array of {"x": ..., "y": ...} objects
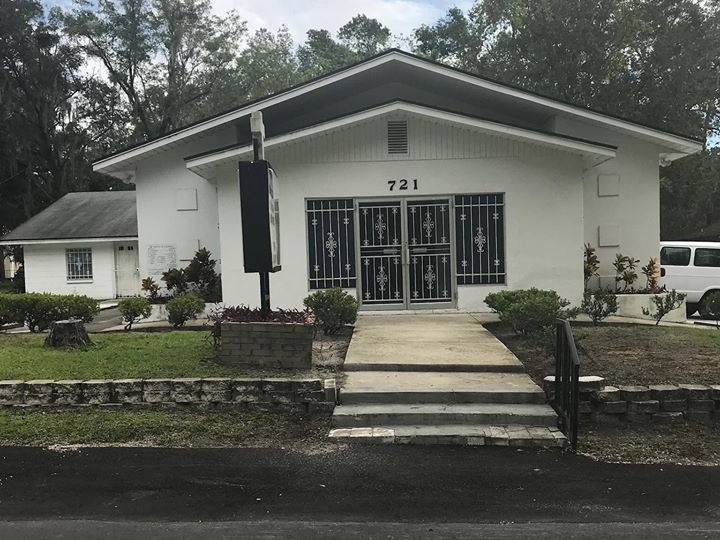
[
  {"x": 420, "y": 250},
  {"x": 392, "y": 251}
]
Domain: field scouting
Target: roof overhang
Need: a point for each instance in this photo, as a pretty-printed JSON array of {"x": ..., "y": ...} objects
[
  {"x": 672, "y": 145},
  {"x": 67, "y": 241},
  {"x": 205, "y": 164}
]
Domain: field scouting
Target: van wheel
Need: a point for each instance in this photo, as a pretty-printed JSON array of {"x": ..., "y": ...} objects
[
  {"x": 691, "y": 309},
  {"x": 704, "y": 298}
]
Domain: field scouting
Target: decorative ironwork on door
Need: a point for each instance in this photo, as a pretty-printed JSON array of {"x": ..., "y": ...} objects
[
  {"x": 430, "y": 275},
  {"x": 381, "y": 242},
  {"x": 331, "y": 243},
  {"x": 480, "y": 234}
]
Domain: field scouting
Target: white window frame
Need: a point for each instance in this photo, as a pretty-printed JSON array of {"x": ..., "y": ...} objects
[{"x": 79, "y": 264}]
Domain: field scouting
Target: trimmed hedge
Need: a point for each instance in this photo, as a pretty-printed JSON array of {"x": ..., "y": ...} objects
[{"x": 38, "y": 310}]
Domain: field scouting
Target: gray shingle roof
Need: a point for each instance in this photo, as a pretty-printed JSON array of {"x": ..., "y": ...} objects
[{"x": 96, "y": 214}]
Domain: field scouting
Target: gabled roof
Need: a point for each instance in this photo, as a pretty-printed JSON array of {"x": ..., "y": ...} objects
[
  {"x": 204, "y": 163},
  {"x": 80, "y": 216},
  {"x": 387, "y": 68}
]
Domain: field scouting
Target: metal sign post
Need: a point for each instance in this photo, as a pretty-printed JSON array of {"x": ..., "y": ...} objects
[{"x": 257, "y": 129}]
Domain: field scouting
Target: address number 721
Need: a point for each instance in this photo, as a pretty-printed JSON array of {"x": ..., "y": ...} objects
[{"x": 403, "y": 184}]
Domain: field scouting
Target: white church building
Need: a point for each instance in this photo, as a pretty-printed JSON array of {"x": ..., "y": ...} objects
[{"x": 410, "y": 183}]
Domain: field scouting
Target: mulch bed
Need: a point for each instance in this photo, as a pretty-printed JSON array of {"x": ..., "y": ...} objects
[
  {"x": 628, "y": 353},
  {"x": 688, "y": 444}
]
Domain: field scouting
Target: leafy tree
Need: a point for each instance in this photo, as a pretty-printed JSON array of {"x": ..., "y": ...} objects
[
  {"x": 364, "y": 36},
  {"x": 50, "y": 117},
  {"x": 321, "y": 54},
  {"x": 165, "y": 56},
  {"x": 359, "y": 38},
  {"x": 268, "y": 63}
]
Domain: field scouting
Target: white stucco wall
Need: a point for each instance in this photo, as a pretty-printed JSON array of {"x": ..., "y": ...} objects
[
  {"x": 634, "y": 212},
  {"x": 166, "y": 193},
  {"x": 543, "y": 204},
  {"x": 45, "y": 270}
]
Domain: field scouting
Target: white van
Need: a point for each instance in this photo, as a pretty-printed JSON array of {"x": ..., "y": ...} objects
[{"x": 692, "y": 268}]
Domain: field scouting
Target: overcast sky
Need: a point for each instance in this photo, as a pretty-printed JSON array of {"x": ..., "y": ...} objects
[{"x": 401, "y": 16}]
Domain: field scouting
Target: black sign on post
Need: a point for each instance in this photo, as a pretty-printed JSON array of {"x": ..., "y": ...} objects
[
  {"x": 260, "y": 221},
  {"x": 260, "y": 225}
]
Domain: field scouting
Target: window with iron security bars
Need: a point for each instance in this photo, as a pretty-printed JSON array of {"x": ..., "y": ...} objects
[
  {"x": 480, "y": 239},
  {"x": 78, "y": 262},
  {"x": 331, "y": 243}
]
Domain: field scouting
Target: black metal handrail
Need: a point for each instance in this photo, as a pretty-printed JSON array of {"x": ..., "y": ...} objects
[{"x": 567, "y": 381}]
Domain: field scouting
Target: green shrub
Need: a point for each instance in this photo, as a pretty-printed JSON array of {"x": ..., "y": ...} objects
[
  {"x": 332, "y": 309},
  {"x": 625, "y": 271},
  {"x": 499, "y": 302},
  {"x": 710, "y": 307},
  {"x": 149, "y": 286},
  {"x": 38, "y": 310},
  {"x": 599, "y": 304},
  {"x": 133, "y": 309},
  {"x": 664, "y": 304},
  {"x": 531, "y": 312},
  {"x": 183, "y": 308},
  {"x": 8, "y": 309},
  {"x": 591, "y": 264},
  {"x": 198, "y": 277}
]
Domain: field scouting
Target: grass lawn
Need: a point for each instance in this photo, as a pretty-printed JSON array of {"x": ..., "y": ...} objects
[
  {"x": 172, "y": 428},
  {"x": 689, "y": 444},
  {"x": 146, "y": 355},
  {"x": 112, "y": 355},
  {"x": 629, "y": 353}
]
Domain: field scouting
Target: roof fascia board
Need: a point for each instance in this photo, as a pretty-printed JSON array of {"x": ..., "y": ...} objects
[
  {"x": 485, "y": 125},
  {"x": 557, "y": 105},
  {"x": 67, "y": 241},
  {"x": 244, "y": 111},
  {"x": 688, "y": 145}
]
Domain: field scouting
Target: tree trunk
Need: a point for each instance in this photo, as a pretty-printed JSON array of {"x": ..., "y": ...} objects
[{"x": 70, "y": 333}]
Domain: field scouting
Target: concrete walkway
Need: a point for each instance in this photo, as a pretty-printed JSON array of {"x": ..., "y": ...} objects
[
  {"x": 454, "y": 342},
  {"x": 442, "y": 379}
]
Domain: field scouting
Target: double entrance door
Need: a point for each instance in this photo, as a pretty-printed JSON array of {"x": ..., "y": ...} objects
[{"x": 406, "y": 253}]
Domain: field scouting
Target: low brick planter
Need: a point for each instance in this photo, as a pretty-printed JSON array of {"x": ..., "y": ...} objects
[
  {"x": 662, "y": 403},
  {"x": 282, "y": 395},
  {"x": 266, "y": 345}
]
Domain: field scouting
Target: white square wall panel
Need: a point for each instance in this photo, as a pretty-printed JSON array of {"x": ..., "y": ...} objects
[
  {"x": 186, "y": 199},
  {"x": 609, "y": 235},
  {"x": 608, "y": 185}
]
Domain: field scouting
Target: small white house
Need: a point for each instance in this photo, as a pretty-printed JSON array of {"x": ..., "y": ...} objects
[
  {"x": 85, "y": 243},
  {"x": 411, "y": 183}
]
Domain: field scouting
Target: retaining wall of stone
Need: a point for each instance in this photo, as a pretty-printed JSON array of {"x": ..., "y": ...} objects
[
  {"x": 282, "y": 395},
  {"x": 663, "y": 403},
  {"x": 266, "y": 344}
]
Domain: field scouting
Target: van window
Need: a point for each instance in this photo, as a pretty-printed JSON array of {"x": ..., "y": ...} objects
[
  {"x": 707, "y": 257},
  {"x": 675, "y": 256}
]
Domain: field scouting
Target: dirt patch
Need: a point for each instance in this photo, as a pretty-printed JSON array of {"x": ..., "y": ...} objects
[
  {"x": 689, "y": 444},
  {"x": 628, "y": 353}
]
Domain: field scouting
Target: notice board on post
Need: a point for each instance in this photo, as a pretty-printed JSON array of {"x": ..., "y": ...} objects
[{"x": 260, "y": 218}]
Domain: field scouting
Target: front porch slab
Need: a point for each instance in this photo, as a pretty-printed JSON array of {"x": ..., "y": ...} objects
[{"x": 452, "y": 342}]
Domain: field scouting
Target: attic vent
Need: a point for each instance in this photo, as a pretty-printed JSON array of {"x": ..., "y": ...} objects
[{"x": 397, "y": 131}]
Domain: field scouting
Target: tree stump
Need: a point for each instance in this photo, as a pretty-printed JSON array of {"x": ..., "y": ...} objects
[{"x": 69, "y": 333}]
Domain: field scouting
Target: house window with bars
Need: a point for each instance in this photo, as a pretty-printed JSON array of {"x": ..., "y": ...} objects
[
  {"x": 480, "y": 239},
  {"x": 78, "y": 262},
  {"x": 331, "y": 243}
]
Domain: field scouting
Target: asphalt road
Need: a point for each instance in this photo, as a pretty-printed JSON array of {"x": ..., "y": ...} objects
[{"x": 351, "y": 492}]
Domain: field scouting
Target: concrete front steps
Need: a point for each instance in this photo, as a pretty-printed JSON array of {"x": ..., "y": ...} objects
[
  {"x": 465, "y": 435},
  {"x": 441, "y": 414},
  {"x": 466, "y": 408},
  {"x": 438, "y": 379}
]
